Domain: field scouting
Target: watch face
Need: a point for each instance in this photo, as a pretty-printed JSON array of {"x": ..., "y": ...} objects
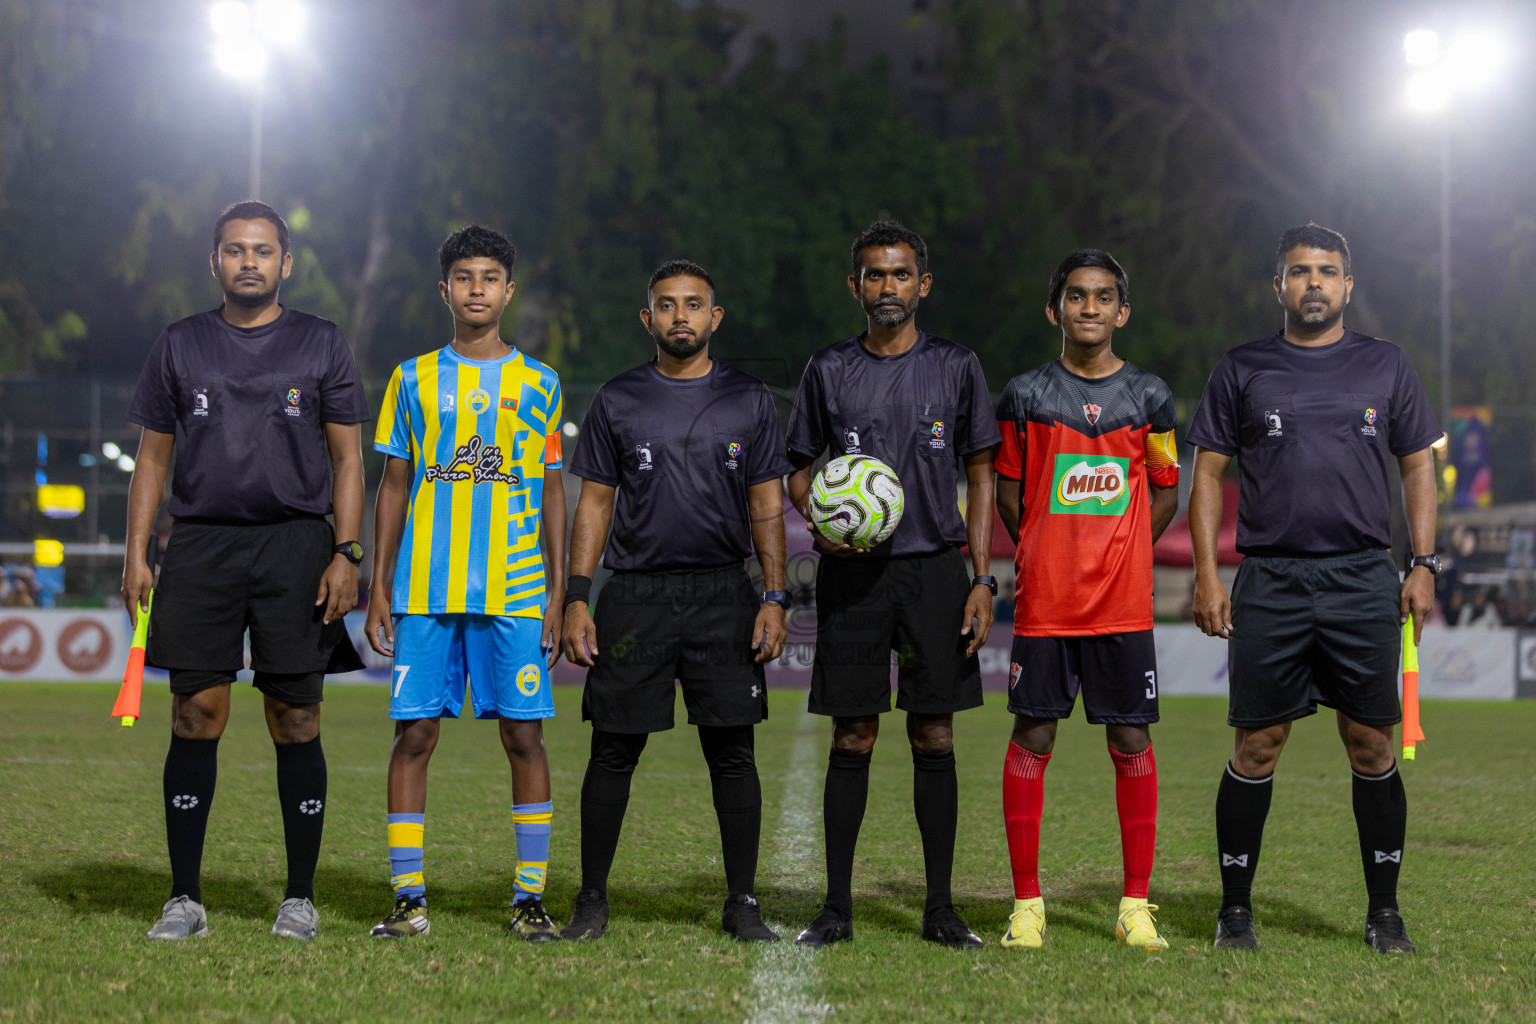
[{"x": 353, "y": 550}]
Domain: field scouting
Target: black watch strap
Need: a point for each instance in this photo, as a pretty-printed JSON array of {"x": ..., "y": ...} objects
[
  {"x": 778, "y": 597},
  {"x": 351, "y": 549},
  {"x": 1430, "y": 562},
  {"x": 990, "y": 582}
]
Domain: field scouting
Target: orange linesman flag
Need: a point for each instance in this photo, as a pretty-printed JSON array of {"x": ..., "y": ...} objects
[
  {"x": 132, "y": 690},
  {"x": 1412, "y": 733}
]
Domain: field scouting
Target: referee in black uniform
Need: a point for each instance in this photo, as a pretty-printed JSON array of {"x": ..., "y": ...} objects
[
  {"x": 919, "y": 404},
  {"x": 261, "y": 406},
  {"x": 684, "y": 457},
  {"x": 1314, "y": 415}
]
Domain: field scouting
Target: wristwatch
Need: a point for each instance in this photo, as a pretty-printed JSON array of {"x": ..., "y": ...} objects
[
  {"x": 778, "y": 597},
  {"x": 990, "y": 582},
  {"x": 1430, "y": 562},
  {"x": 352, "y": 550}
]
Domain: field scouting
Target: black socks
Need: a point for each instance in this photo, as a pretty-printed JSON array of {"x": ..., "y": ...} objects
[
  {"x": 604, "y": 799},
  {"x": 301, "y": 783},
  {"x": 936, "y": 801},
  {"x": 1242, "y": 804},
  {"x": 1381, "y": 817},
  {"x": 738, "y": 800},
  {"x": 843, "y": 802},
  {"x": 191, "y": 769}
]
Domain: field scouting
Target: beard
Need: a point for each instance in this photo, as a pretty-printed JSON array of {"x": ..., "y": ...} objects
[
  {"x": 1325, "y": 317},
  {"x": 891, "y": 312},
  {"x": 681, "y": 347},
  {"x": 251, "y": 299}
]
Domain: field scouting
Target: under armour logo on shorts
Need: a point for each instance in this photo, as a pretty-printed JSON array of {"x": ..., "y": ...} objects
[{"x": 1241, "y": 860}]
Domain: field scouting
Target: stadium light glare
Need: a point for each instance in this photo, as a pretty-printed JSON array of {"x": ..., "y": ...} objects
[
  {"x": 111, "y": 450},
  {"x": 230, "y": 19},
  {"x": 1439, "y": 445},
  {"x": 242, "y": 57},
  {"x": 280, "y": 21},
  {"x": 1474, "y": 59},
  {"x": 569, "y": 430},
  {"x": 125, "y": 463},
  {"x": 1429, "y": 91},
  {"x": 1422, "y": 47}
]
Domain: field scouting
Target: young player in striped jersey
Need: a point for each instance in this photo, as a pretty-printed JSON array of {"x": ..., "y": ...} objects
[
  {"x": 1087, "y": 480},
  {"x": 472, "y": 432}
]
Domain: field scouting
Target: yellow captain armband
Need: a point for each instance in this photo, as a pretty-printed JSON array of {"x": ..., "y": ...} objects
[{"x": 1161, "y": 450}]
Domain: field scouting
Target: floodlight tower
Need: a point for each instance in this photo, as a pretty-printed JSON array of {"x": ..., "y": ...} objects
[
  {"x": 1441, "y": 73},
  {"x": 244, "y": 31}
]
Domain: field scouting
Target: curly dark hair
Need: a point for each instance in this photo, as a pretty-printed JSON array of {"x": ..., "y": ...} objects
[
  {"x": 473, "y": 241},
  {"x": 890, "y": 232}
]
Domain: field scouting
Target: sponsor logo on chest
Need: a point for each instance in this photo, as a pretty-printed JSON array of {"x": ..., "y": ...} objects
[
  {"x": 1369, "y": 430},
  {"x": 1095, "y": 485},
  {"x": 732, "y": 455},
  {"x": 292, "y": 408}
]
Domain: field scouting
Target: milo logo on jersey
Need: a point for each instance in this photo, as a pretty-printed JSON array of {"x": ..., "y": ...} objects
[{"x": 1091, "y": 485}]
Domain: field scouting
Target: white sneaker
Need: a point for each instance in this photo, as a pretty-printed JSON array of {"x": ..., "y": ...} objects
[
  {"x": 297, "y": 919},
  {"x": 179, "y": 918}
]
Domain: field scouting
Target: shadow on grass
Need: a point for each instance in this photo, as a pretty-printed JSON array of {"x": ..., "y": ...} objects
[{"x": 96, "y": 887}]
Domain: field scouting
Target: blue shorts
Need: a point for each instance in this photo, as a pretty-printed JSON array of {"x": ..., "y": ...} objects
[{"x": 499, "y": 653}]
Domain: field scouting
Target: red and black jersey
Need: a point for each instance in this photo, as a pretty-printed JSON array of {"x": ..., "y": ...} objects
[{"x": 1083, "y": 451}]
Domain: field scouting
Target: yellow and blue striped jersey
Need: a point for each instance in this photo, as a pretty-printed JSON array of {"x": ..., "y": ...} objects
[{"x": 479, "y": 436}]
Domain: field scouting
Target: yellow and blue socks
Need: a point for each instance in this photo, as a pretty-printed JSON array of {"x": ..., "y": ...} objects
[
  {"x": 530, "y": 823},
  {"x": 405, "y": 842}
]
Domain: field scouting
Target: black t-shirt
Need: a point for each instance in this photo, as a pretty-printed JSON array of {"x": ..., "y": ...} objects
[
  {"x": 1312, "y": 429},
  {"x": 681, "y": 455},
  {"x": 248, "y": 408},
  {"x": 919, "y": 412}
]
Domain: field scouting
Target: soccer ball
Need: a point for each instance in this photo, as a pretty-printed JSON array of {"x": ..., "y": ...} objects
[{"x": 856, "y": 500}]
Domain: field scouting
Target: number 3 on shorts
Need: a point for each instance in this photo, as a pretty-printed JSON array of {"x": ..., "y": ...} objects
[
  {"x": 401, "y": 670},
  {"x": 1151, "y": 685}
]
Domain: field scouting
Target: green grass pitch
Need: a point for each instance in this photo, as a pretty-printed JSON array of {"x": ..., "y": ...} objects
[{"x": 82, "y": 838}]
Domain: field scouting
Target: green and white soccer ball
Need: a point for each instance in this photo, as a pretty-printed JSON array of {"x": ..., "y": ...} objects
[{"x": 856, "y": 500}]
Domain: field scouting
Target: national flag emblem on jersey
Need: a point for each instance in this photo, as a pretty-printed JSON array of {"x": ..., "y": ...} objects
[
  {"x": 1092, "y": 412},
  {"x": 509, "y": 403},
  {"x": 1094, "y": 485}
]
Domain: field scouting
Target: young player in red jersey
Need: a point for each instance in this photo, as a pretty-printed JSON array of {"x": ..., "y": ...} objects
[{"x": 1087, "y": 480}]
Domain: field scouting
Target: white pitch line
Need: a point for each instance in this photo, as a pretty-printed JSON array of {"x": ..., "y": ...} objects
[{"x": 784, "y": 983}]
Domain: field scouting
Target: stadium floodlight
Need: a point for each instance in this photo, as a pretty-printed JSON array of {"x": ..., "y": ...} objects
[
  {"x": 280, "y": 21},
  {"x": 1429, "y": 91},
  {"x": 243, "y": 32},
  {"x": 125, "y": 463},
  {"x": 242, "y": 57},
  {"x": 1422, "y": 47},
  {"x": 230, "y": 19},
  {"x": 569, "y": 430},
  {"x": 111, "y": 450}
]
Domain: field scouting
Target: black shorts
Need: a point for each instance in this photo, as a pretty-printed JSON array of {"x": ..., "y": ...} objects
[
  {"x": 868, "y": 607},
  {"x": 1310, "y": 631},
  {"x": 219, "y": 580},
  {"x": 1116, "y": 672},
  {"x": 655, "y": 629}
]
